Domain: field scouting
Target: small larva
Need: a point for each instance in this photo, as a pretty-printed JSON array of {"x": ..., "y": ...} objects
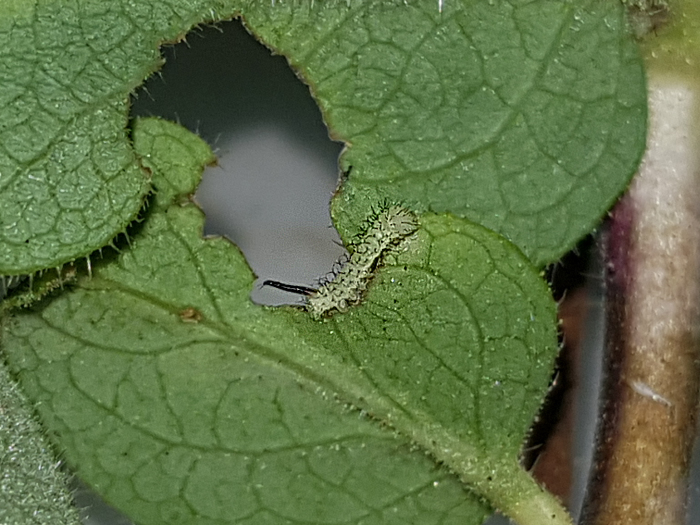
[{"x": 385, "y": 230}]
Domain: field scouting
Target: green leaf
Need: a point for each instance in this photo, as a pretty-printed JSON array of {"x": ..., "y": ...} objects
[
  {"x": 180, "y": 400},
  {"x": 69, "y": 180},
  {"x": 457, "y": 339},
  {"x": 527, "y": 117},
  {"x": 34, "y": 488},
  {"x": 174, "y": 394},
  {"x": 171, "y": 150}
]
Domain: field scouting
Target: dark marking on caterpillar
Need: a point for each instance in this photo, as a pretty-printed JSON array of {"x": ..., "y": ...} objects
[{"x": 291, "y": 288}]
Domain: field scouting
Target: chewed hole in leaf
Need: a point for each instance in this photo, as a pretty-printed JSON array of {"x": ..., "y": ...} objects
[{"x": 277, "y": 166}]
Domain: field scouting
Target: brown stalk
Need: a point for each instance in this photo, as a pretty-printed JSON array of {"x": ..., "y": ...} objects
[{"x": 650, "y": 393}]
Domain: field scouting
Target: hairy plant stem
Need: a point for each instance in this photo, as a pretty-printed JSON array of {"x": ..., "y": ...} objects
[
  {"x": 502, "y": 481},
  {"x": 652, "y": 247}
]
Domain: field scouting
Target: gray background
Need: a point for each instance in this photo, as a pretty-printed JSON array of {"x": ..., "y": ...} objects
[{"x": 277, "y": 166}]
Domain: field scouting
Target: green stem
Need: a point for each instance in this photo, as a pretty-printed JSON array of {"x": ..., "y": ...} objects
[
  {"x": 521, "y": 498},
  {"x": 498, "y": 478}
]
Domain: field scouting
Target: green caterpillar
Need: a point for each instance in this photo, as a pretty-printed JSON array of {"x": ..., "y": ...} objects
[{"x": 386, "y": 229}]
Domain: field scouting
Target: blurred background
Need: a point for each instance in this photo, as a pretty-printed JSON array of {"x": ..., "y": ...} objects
[{"x": 277, "y": 167}]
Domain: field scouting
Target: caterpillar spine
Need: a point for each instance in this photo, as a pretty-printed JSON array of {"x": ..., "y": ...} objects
[{"x": 385, "y": 231}]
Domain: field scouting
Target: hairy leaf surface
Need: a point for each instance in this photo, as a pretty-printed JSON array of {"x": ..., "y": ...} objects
[
  {"x": 526, "y": 117},
  {"x": 180, "y": 400}
]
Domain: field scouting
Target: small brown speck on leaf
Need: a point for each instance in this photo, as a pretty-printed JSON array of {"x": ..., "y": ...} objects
[{"x": 190, "y": 315}]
